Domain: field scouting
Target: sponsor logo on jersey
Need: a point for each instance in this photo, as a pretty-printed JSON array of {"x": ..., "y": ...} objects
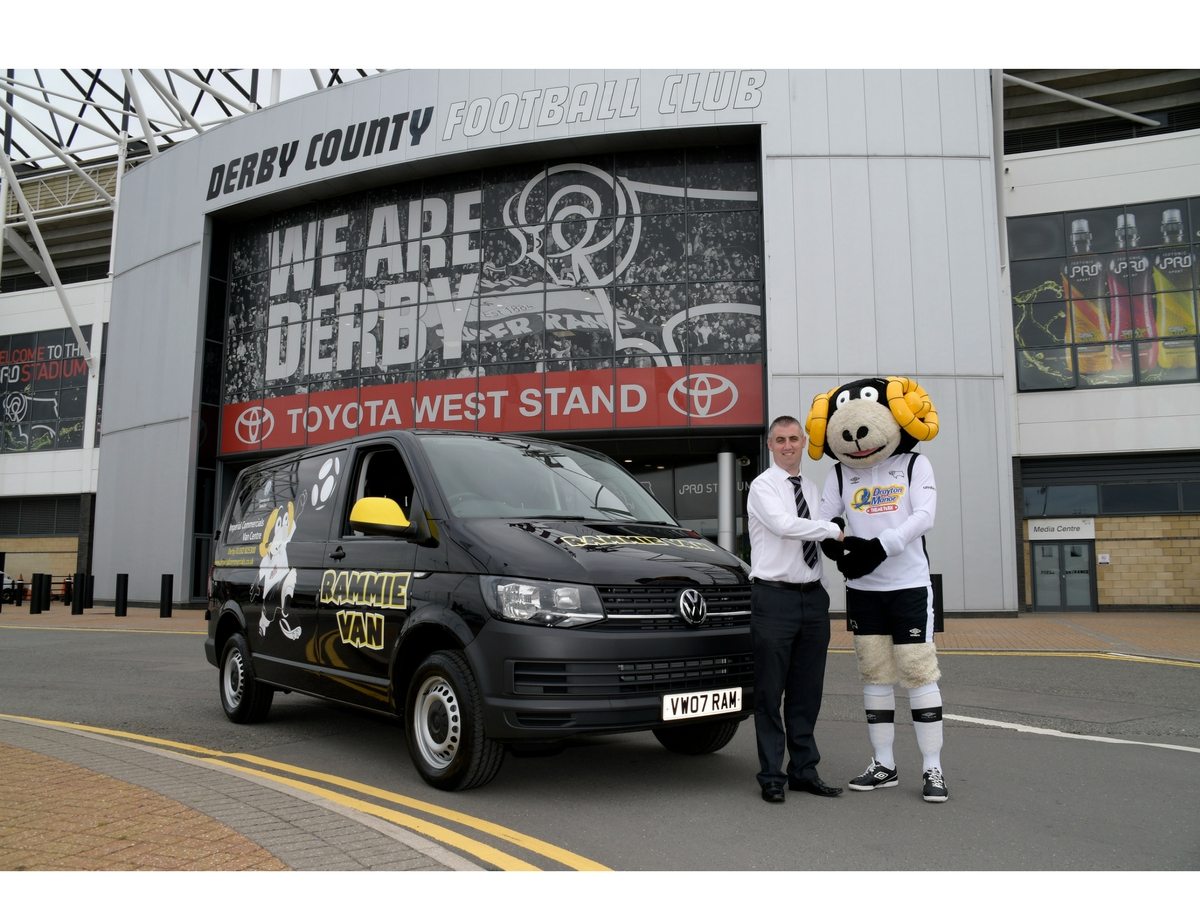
[{"x": 877, "y": 499}]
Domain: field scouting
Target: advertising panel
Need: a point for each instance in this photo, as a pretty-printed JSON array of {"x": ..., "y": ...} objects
[
  {"x": 616, "y": 291},
  {"x": 43, "y": 391},
  {"x": 1105, "y": 297}
]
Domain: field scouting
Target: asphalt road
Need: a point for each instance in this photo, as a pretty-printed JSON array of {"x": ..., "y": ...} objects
[{"x": 1021, "y": 800}]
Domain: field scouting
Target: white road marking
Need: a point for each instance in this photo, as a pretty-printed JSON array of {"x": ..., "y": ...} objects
[{"x": 1030, "y": 729}]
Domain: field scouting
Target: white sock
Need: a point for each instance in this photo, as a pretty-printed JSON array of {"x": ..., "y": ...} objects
[
  {"x": 879, "y": 701},
  {"x": 926, "y": 705}
]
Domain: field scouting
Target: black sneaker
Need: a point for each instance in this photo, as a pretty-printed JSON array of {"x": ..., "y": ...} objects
[
  {"x": 876, "y": 776},
  {"x": 935, "y": 786}
]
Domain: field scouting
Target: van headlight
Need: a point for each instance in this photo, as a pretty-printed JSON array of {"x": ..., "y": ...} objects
[{"x": 541, "y": 602}]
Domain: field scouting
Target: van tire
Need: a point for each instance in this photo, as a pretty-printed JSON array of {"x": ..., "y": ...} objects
[
  {"x": 699, "y": 737},
  {"x": 243, "y": 697},
  {"x": 443, "y": 725}
]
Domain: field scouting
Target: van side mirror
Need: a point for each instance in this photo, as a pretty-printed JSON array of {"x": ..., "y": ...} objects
[{"x": 380, "y": 515}]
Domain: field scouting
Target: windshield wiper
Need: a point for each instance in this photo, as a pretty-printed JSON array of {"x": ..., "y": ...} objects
[
  {"x": 620, "y": 512},
  {"x": 558, "y": 517}
]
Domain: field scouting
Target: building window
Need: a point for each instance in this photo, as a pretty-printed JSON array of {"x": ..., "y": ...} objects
[
  {"x": 1125, "y": 499},
  {"x": 1061, "y": 500},
  {"x": 1105, "y": 297},
  {"x": 39, "y": 516},
  {"x": 1191, "y": 496},
  {"x": 1144, "y": 499}
]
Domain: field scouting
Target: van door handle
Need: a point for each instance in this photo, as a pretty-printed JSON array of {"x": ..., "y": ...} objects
[{"x": 339, "y": 553}]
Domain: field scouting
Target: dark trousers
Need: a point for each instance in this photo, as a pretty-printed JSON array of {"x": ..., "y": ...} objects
[{"x": 790, "y": 631}]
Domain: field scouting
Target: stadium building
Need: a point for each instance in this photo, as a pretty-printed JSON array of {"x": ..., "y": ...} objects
[{"x": 650, "y": 263}]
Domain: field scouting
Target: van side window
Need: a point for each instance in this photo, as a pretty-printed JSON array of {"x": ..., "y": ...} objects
[
  {"x": 299, "y": 494},
  {"x": 381, "y": 473},
  {"x": 248, "y": 512},
  {"x": 316, "y": 481}
]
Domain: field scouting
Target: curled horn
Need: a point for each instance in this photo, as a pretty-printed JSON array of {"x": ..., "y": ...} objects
[
  {"x": 814, "y": 425},
  {"x": 913, "y": 409}
]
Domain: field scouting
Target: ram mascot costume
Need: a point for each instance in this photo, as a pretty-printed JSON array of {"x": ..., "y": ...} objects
[{"x": 884, "y": 496}]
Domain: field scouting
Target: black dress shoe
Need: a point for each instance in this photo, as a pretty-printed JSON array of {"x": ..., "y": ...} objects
[
  {"x": 813, "y": 785},
  {"x": 773, "y": 793}
]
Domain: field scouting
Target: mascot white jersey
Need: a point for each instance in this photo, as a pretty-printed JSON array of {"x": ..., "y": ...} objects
[{"x": 885, "y": 497}]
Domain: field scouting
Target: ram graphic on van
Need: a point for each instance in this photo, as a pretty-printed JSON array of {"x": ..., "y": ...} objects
[{"x": 488, "y": 589}]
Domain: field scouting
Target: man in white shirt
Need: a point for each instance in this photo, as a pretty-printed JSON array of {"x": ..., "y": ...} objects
[{"x": 789, "y": 622}]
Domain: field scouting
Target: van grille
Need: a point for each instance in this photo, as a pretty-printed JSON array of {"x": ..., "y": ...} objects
[
  {"x": 656, "y": 608},
  {"x": 633, "y": 677}
]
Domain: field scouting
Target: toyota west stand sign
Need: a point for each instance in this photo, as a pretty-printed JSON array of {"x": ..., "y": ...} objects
[{"x": 598, "y": 400}]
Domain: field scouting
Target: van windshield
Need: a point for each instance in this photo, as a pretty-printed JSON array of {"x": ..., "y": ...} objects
[{"x": 508, "y": 478}]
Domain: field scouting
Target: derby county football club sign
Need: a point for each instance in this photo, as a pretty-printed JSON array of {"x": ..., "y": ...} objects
[{"x": 620, "y": 291}]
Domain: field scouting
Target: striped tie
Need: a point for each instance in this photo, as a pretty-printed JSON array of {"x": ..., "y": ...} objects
[{"x": 810, "y": 548}]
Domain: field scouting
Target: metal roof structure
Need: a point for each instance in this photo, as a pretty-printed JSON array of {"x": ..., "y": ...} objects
[
  {"x": 53, "y": 117},
  {"x": 70, "y": 134},
  {"x": 1048, "y": 108}
]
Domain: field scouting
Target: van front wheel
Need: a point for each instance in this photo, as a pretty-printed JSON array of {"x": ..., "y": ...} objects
[
  {"x": 243, "y": 697},
  {"x": 699, "y": 737},
  {"x": 443, "y": 718}
]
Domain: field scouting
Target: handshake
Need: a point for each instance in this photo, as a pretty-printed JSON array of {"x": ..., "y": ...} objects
[{"x": 855, "y": 556}]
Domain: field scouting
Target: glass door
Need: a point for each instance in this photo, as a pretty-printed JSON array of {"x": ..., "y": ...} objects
[{"x": 1064, "y": 575}]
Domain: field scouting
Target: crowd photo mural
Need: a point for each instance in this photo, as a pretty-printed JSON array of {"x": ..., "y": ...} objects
[
  {"x": 1106, "y": 297},
  {"x": 616, "y": 291}
]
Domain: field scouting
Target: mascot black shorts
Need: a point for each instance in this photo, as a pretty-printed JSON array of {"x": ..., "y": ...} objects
[{"x": 906, "y": 615}]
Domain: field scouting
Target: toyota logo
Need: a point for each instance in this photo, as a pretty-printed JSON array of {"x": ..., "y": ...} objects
[
  {"x": 702, "y": 395},
  {"x": 254, "y": 424},
  {"x": 692, "y": 608}
]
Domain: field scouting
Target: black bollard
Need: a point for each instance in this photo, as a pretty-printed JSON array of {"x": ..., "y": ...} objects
[
  {"x": 121, "y": 607},
  {"x": 77, "y": 595},
  {"x": 164, "y": 599},
  {"x": 35, "y": 595},
  {"x": 20, "y": 588},
  {"x": 90, "y": 583},
  {"x": 47, "y": 590}
]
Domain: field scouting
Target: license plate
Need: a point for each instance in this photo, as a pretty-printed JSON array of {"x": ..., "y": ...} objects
[{"x": 698, "y": 704}]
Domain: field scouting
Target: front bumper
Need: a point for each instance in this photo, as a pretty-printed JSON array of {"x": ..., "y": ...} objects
[{"x": 546, "y": 683}]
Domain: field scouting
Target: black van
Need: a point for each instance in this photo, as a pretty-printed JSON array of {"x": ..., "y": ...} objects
[{"x": 490, "y": 589}]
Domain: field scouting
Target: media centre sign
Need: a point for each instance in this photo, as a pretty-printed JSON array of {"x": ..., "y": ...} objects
[{"x": 1083, "y": 529}]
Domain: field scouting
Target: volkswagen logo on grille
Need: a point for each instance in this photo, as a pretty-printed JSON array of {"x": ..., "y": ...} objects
[
  {"x": 254, "y": 424},
  {"x": 702, "y": 395},
  {"x": 692, "y": 608}
]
